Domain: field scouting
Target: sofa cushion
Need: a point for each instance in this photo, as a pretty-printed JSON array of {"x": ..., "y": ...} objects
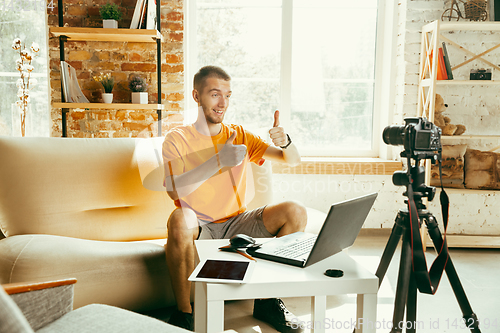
[
  {"x": 98, "y": 318},
  {"x": 131, "y": 275},
  {"x": 85, "y": 188}
]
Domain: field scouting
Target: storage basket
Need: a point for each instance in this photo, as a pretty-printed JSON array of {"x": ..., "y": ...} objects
[{"x": 475, "y": 10}]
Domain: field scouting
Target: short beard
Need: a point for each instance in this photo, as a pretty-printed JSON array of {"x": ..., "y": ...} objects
[{"x": 209, "y": 118}]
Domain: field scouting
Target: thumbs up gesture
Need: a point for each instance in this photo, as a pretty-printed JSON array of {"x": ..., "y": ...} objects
[
  {"x": 231, "y": 155},
  {"x": 277, "y": 133}
]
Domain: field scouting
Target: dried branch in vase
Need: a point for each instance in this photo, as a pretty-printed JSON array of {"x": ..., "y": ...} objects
[{"x": 25, "y": 83}]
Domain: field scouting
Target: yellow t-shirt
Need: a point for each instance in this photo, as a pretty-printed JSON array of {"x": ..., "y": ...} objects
[{"x": 225, "y": 194}]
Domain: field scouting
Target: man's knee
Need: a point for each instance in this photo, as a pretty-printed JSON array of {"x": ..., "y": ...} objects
[
  {"x": 182, "y": 220},
  {"x": 296, "y": 213}
]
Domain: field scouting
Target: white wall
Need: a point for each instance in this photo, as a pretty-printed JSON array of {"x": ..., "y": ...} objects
[
  {"x": 321, "y": 191},
  {"x": 471, "y": 212}
]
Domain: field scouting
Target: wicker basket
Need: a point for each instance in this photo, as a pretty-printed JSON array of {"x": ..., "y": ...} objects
[{"x": 475, "y": 10}]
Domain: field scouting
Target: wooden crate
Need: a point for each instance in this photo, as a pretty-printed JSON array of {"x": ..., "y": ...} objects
[
  {"x": 482, "y": 170},
  {"x": 452, "y": 167}
]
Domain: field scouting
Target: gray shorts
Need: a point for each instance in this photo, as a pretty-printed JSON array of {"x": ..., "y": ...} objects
[{"x": 249, "y": 223}]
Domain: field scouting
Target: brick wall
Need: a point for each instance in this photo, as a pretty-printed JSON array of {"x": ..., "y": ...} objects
[{"x": 121, "y": 60}]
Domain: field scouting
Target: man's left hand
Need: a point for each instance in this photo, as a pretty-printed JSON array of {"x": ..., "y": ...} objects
[{"x": 277, "y": 133}]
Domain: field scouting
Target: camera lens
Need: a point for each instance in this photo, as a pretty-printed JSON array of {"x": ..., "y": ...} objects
[
  {"x": 481, "y": 76},
  {"x": 393, "y": 135}
]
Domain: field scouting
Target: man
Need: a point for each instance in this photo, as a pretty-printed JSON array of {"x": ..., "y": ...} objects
[{"x": 205, "y": 167}]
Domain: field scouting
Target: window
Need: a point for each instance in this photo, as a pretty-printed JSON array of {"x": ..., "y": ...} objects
[
  {"x": 27, "y": 21},
  {"x": 314, "y": 60}
]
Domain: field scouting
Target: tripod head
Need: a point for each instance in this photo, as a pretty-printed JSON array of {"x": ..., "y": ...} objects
[
  {"x": 420, "y": 189},
  {"x": 421, "y": 140}
]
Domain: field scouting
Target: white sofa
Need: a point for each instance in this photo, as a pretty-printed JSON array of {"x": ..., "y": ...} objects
[{"x": 94, "y": 210}]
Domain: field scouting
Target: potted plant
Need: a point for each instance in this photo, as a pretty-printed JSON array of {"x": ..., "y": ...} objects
[
  {"x": 139, "y": 88},
  {"x": 110, "y": 14},
  {"x": 107, "y": 83}
]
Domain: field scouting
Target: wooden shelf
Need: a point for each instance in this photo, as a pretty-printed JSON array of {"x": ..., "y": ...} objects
[
  {"x": 109, "y": 106},
  {"x": 428, "y": 82},
  {"x": 445, "y": 138},
  {"x": 467, "y": 82},
  {"x": 468, "y": 191},
  {"x": 477, "y": 26},
  {"x": 107, "y": 35},
  {"x": 123, "y": 35},
  {"x": 430, "y": 42}
]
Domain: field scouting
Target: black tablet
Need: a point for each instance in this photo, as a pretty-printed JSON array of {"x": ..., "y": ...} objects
[{"x": 223, "y": 271}]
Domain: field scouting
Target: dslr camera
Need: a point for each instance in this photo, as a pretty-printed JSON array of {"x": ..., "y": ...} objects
[
  {"x": 480, "y": 74},
  {"x": 420, "y": 138}
]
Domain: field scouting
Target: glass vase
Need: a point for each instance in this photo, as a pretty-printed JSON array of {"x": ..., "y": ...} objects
[{"x": 22, "y": 124}]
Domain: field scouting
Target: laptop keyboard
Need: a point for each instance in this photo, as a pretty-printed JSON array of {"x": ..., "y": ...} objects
[{"x": 296, "y": 249}]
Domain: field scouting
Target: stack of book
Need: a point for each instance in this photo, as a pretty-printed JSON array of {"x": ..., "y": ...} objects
[
  {"x": 443, "y": 66},
  {"x": 144, "y": 15}
]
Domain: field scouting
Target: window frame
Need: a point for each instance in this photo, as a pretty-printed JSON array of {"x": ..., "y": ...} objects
[
  {"x": 384, "y": 78},
  {"x": 42, "y": 76}
]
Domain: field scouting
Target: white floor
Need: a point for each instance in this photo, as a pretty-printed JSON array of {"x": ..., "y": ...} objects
[{"x": 478, "y": 270}]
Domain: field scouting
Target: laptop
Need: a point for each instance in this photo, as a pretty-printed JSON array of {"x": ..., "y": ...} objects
[{"x": 339, "y": 231}]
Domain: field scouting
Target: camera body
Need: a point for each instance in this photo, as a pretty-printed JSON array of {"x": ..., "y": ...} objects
[
  {"x": 420, "y": 138},
  {"x": 480, "y": 74}
]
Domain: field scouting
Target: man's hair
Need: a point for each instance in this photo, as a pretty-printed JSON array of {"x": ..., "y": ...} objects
[{"x": 209, "y": 71}]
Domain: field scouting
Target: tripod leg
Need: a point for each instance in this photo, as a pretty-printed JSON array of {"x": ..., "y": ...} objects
[
  {"x": 411, "y": 307},
  {"x": 469, "y": 316},
  {"x": 403, "y": 285},
  {"x": 390, "y": 248}
]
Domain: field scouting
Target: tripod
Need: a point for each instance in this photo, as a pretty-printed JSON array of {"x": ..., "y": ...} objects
[{"x": 406, "y": 289}]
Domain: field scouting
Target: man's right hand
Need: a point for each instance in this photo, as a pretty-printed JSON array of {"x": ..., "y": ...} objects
[{"x": 231, "y": 155}]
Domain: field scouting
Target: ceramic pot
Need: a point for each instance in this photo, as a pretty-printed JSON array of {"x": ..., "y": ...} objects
[
  {"x": 107, "y": 98},
  {"x": 110, "y": 24},
  {"x": 140, "y": 97}
]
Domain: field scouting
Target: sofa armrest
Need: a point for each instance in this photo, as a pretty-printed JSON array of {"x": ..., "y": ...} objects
[
  {"x": 21, "y": 287},
  {"x": 42, "y": 302}
]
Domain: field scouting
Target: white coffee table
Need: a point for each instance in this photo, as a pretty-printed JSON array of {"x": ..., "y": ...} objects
[{"x": 274, "y": 280}]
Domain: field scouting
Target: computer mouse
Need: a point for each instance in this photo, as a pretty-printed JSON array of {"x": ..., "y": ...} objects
[{"x": 241, "y": 240}]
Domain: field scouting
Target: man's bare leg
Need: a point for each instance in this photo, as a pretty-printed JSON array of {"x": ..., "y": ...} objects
[
  {"x": 285, "y": 218},
  {"x": 182, "y": 231}
]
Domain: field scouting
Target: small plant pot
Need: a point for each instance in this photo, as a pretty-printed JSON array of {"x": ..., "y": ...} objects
[
  {"x": 110, "y": 24},
  {"x": 107, "y": 98},
  {"x": 140, "y": 97}
]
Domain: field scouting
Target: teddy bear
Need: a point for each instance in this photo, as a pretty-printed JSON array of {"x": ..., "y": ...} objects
[{"x": 442, "y": 121}]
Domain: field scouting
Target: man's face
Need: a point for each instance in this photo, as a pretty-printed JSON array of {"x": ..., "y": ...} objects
[{"x": 214, "y": 99}]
